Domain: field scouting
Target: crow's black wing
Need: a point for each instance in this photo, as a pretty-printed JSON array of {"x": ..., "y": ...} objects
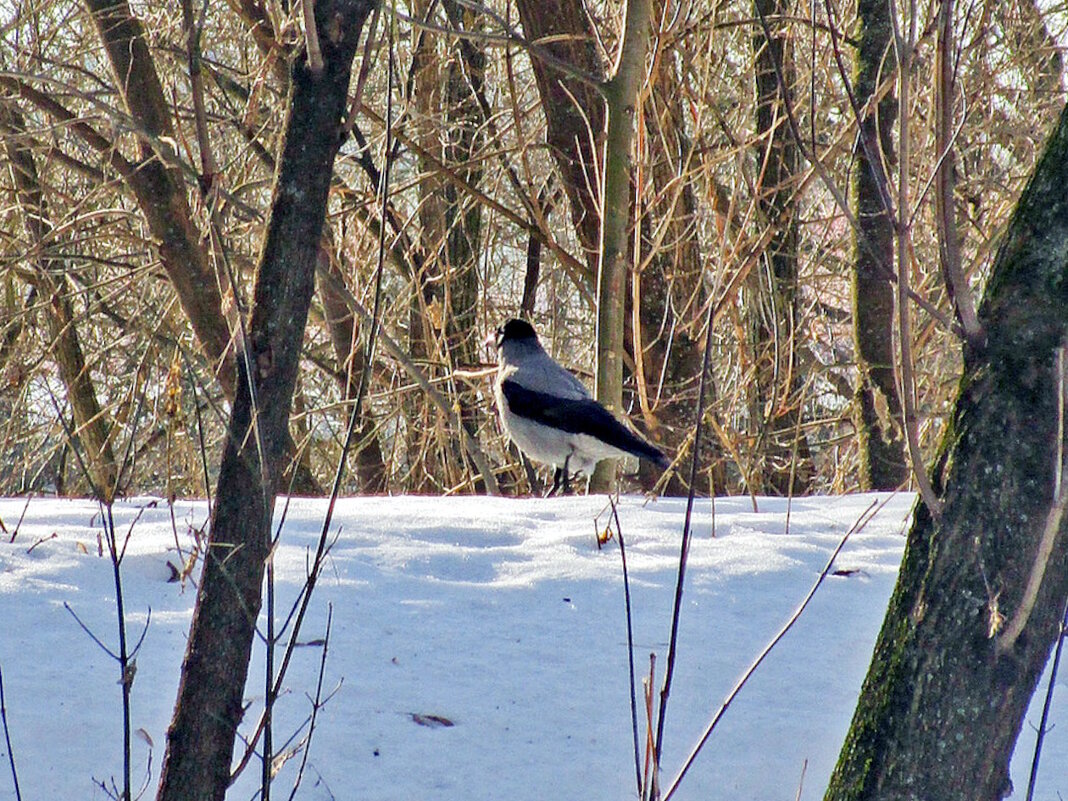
[{"x": 577, "y": 416}]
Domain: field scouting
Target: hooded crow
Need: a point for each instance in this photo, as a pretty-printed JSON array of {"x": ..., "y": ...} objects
[{"x": 549, "y": 414}]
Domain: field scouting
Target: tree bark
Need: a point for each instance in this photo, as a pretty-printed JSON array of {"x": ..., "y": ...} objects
[
  {"x": 464, "y": 78},
  {"x": 201, "y": 737},
  {"x": 877, "y": 402},
  {"x": 948, "y": 689}
]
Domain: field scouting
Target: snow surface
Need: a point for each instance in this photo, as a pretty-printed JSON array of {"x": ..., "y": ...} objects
[{"x": 498, "y": 616}]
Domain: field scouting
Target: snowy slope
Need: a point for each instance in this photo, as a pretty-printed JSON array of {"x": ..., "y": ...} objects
[{"x": 499, "y": 616}]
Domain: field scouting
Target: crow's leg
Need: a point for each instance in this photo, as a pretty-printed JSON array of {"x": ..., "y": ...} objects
[
  {"x": 561, "y": 480},
  {"x": 567, "y": 476},
  {"x": 558, "y": 479}
]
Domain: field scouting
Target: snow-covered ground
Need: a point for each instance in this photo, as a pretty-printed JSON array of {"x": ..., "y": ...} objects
[{"x": 500, "y": 617}]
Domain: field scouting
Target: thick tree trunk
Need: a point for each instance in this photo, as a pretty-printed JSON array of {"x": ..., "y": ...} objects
[
  {"x": 201, "y": 737},
  {"x": 950, "y": 682},
  {"x": 877, "y": 403}
]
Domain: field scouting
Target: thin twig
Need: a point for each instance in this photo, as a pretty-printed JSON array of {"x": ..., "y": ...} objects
[
  {"x": 7, "y": 739},
  {"x": 1042, "y": 729},
  {"x": 630, "y": 646},
  {"x": 268, "y": 673},
  {"x": 311, "y": 35},
  {"x": 89, "y": 632},
  {"x": 317, "y": 702},
  {"x": 127, "y": 666},
  {"x": 684, "y": 548},
  {"x": 860, "y": 523},
  {"x": 651, "y": 772},
  {"x": 903, "y": 47},
  {"x": 801, "y": 781},
  {"x": 201, "y": 444},
  {"x": 18, "y": 525}
]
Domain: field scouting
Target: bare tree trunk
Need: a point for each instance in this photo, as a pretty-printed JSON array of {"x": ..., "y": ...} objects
[
  {"x": 877, "y": 402},
  {"x": 464, "y": 78},
  {"x": 663, "y": 334},
  {"x": 159, "y": 190},
  {"x": 201, "y": 737},
  {"x": 979, "y": 598},
  {"x": 341, "y": 323},
  {"x": 782, "y": 447},
  {"x": 47, "y": 274},
  {"x": 448, "y": 76},
  {"x": 945, "y": 182},
  {"x": 574, "y": 110},
  {"x": 617, "y": 202},
  {"x": 427, "y": 314}
]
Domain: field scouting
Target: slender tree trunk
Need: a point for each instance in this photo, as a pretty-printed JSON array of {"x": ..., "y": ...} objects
[
  {"x": 617, "y": 196},
  {"x": 341, "y": 323},
  {"x": 426, "y": 313},
  {"x": 47, "y": 274},
  {"x": 463, "y": 217},
  {"x": 775, "y": 404},
  {"x": 201, "y": 737},
  {"x": 877, "y": 403},
  {"x": 945, "y": 181},
  {"x": 159, "y": 190},
  {"x": 671, "y": 289},
  {"x": 979, "y": 597},
  {"x": 464, "y": 78}
]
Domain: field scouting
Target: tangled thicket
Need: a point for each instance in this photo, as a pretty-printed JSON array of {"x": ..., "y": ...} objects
[{"x": 133, "y": 215}]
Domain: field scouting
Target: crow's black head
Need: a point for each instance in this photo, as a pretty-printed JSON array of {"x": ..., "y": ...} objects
[{"x": 515, "y": 330}]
